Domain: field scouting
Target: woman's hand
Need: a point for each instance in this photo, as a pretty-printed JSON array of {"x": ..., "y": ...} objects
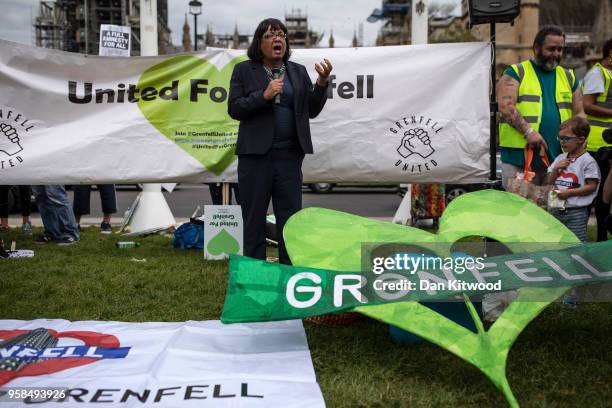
[
  {"x": 323, "y": 69},
  {"x": 274, "y": 88}
]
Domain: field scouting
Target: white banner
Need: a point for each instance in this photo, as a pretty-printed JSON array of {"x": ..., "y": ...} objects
[
  {"x": 395, "y": 114},
  {"x": 191, "y": 364}
]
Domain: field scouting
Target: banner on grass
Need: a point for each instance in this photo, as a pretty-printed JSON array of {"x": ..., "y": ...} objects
[
  {"x": 394, "y": 114},
  {"x": 192, "y": 364},
  {"x": 262, "y": 291}
]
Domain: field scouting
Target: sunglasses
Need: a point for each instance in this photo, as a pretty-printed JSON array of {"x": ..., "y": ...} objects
[
  {"x": 567, "y": 138},
  {"x": 278, "y": 34}
]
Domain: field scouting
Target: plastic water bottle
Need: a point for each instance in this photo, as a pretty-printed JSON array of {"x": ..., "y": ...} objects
[{"x": 127, "y": 244}]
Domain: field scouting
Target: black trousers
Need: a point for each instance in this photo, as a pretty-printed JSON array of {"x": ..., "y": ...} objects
[
  {"x": 277, "y": 175},
  {"x": 602, "y": 210},
  {"x": 25, "y": 193},
  {"x": 216, "y": 193},
  {"x": 82, "y": 194}
]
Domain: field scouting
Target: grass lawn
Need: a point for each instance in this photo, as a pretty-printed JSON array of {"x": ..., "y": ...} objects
[{"x": 559, "y": 360}]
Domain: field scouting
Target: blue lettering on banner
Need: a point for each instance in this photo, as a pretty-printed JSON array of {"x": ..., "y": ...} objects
[{"x": 29, "y": 353}]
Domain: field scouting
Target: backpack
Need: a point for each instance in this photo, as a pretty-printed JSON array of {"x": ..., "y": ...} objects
[{"x": 189, "y": 236}]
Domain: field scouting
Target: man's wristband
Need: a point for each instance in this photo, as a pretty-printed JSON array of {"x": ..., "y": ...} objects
[{"x": 528, "y": 132}]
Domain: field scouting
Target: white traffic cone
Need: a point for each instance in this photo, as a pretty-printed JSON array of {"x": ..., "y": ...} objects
[{"x": 151, "y": 213}]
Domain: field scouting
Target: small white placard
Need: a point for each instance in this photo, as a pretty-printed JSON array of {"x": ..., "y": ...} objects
[
  {"x": 114, "y": 40},
  {"x": 223, "y": 231}
]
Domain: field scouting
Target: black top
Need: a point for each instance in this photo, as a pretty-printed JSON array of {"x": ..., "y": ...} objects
[
  {"x": 285, "y": 135},
  {"x": 257, "y": 116}
]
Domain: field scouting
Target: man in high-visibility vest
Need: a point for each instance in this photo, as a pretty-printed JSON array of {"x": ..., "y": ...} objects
[
  {"x": 535, "y": 96},
  {"x": 598, "y": 107}
]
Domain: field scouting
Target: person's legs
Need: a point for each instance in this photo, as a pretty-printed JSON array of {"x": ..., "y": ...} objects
[
  {"x": 286, "y": 193},
  {"x": 4, "y": 210},
  {"x": 602, "y": 210},
  {"x": 608, "y": 223},
  {"x": 67, "y": 224},
  {"x": 109, "y": 205},
  {"x": 81, "y": 201},
  {"x": 255, "y": 184},
  {"x": 216, "y": 193},
  {"x": 47, "y": 212},
  {"x": 575, "y": 219},
  {"x": 25, "y": 193},
  {"x": 108, "y": 198}
]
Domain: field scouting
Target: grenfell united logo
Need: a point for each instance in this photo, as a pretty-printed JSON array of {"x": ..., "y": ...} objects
[
  {"x": 12, "y": 126},
  {"x": 415, "y": 143}
]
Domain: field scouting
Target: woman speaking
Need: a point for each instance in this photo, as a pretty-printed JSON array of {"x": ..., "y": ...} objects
[{"x": 273, "y": 98}]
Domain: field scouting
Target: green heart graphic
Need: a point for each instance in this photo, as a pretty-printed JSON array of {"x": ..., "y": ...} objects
[
  {"x": 223, "y": 242},
  {"x": 200, "y": 126},
  {"x": 329, "y": 239}
]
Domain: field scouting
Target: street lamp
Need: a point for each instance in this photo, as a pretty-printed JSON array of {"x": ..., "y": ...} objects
[{"x": 195, "y": 9}]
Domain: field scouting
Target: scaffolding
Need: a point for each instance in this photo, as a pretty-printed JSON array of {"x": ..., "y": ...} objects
[
  {"x": 297, "y": 30},
  {"x": 50, "y": 26},
  {"x": 74, "y": 25},
  {"x": 397, "y": 27}
]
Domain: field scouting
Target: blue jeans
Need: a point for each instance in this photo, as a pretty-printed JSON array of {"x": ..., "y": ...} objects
[
  {"x": 56, "y": 212},
  {"x": 575, "y": 219}
]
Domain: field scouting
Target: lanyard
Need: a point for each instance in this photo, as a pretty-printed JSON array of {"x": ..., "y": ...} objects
[{"x": 271, "y": 75}]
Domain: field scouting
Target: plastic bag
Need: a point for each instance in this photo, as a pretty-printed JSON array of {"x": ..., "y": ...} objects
[
  {"x": 522, "y": 183},
  {"x": 189, "y": 236}
]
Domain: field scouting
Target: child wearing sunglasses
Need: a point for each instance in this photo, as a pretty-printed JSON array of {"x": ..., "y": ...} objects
[{"x": 575, "y": 176}]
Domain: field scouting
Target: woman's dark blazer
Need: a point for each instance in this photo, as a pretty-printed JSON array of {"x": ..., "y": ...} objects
[{"x": 256, "y": 115}]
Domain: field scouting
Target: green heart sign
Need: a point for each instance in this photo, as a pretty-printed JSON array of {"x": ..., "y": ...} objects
[
  {"x": 185, "y": 98},
  {"x": 328, "y": 239},
  {"x": 223, "y": 243}
]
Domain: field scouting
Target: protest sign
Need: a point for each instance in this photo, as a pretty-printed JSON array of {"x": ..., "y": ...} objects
[{"x": 114, "y": 40}]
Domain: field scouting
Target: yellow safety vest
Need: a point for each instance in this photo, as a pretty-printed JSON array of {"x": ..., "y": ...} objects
[
  {"x": 599, "y": 124},
  {"x": 529, "y": 102}
]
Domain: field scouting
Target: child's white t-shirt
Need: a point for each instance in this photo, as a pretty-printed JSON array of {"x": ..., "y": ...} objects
[{"x": 573, "y": 176}]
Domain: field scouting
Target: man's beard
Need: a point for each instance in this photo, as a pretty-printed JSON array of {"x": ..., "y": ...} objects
[{"x": 548, "y": 63}]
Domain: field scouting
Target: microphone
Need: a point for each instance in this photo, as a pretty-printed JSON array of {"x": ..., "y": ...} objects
[{"x": 276, "y": 75}]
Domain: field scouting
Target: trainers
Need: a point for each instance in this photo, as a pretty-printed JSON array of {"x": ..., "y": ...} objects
[
  {"x": 67, "y": 241},
  {"x": 105, "y": 228},
  {"x": 43, "y": 239},
  {"x": 26, "y": 228}
]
